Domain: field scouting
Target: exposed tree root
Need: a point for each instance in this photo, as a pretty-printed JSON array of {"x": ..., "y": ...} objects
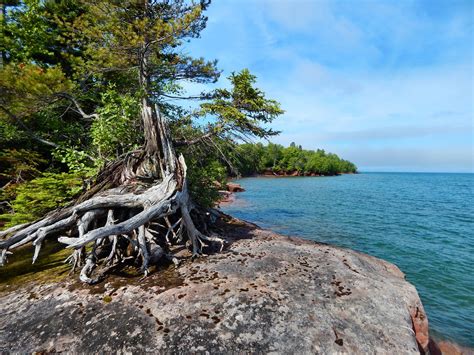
[
  {"x": 114, "y": 227},
  {"x": 119, "y": 219}
]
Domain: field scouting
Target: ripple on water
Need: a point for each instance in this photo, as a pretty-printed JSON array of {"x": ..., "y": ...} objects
[{"x": 421, "y": 222}]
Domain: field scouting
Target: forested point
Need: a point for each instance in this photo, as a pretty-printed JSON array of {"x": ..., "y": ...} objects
[
  {"x": 100, "y": 147},
  {"x": 274, "y": 159}
]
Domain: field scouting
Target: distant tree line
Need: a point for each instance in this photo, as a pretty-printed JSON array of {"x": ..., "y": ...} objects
[{"x": 293, "y": 160}]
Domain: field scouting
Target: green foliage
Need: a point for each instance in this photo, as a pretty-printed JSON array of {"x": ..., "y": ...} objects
[
  {"x": 202, "y": 181},
  {"x": 117, "y": 129},
  {"x": 19, "y": 165},
  {"x": 250, "y": 158},
  {"x": 77, "y": 161},
  {"x": 27, "y": 88},
  {"x": 257, "y": 158},
  {"x": 39, "y": 32},
  {"x": 9, "y": 133},
  {"x": 112, "y": 33},
  {"x": 242, "y": 110},
  {"x": 35, "y": 198},
  {"x": 25, "y": 32},
  {"x": 206, "y": 173}
]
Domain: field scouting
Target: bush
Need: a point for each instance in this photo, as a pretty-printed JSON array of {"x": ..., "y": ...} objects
[
  {"x": 202, "y": 182},
  {"x": 36, "y": 197}
]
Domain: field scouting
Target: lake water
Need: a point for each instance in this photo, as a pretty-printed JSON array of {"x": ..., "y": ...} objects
[{"x": 424, "y": 223}]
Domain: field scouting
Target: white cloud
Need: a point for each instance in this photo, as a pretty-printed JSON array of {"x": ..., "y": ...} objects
[{"x": 358, "y": 78}]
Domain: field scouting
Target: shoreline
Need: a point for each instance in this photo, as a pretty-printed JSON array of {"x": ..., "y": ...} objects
[
  {"x": 228, "y": 197},
  {"x": 438, "y": 343},
  {"x": 293, "y": 174},
  {"x": 169, "y": 285},
  {"x": 260, "y": 275}
]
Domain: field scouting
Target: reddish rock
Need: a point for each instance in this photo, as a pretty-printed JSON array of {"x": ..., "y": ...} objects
[
  {"x": 226, "y": 198},
  {"x": 233, "y": 187},
  {"x": 448, "y": 348},
  {"x": 265, "y": 293},
  {"x": 434, "y": 348},
  {"x": 420, "y": 326}
]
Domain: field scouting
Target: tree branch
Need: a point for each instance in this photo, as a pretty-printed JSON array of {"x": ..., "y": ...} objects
[
  {"x": 27, "y": 129},
  {"x": 31, "y": 133},
  {"x": 193, "y": 141},
  {"x": 78, "y": 107}
]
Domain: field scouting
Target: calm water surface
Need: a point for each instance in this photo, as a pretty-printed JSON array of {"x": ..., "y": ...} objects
[{"x": 424, "y": 223}]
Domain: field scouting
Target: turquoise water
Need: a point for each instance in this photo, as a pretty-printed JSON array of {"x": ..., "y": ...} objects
[{"x": 424, "y": 223}]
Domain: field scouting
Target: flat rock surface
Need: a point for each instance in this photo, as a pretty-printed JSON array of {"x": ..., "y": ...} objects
[{"x": 263, "y": 293}]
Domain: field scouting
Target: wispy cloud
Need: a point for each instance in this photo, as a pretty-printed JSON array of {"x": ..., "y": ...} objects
[{"x": 364, "y": 79}]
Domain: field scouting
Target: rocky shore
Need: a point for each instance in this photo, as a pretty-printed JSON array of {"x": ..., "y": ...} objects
[
  {"x": 263, "y": 293},
  {"x": 227, "y": 195},
  {"x": 271, "y": 173}
]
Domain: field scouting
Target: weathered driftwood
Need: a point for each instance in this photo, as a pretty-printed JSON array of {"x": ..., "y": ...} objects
[{"x": 111, "y": 222}]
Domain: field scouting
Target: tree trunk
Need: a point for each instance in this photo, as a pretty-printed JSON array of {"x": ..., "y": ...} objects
[
  {"x": 125, "y": 216},
  {"x": 156, "y": 217}
]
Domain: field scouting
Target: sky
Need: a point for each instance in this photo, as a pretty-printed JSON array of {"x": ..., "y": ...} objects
[{"x": 386, "y": 84}]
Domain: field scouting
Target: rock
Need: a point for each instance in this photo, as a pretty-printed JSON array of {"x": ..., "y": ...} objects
[
  {"x": 233, "y": 187},
  {"x": 420, "y": 326},
  {"x": 226, "y": 197},
  {"x": 448, "y": 348},
  {"x": 263, "y": 293}
]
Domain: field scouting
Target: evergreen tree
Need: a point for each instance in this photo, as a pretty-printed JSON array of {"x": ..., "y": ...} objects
[{"x": 115, "y": 65}]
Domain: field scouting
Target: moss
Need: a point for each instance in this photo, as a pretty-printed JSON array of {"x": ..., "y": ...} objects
[{"x": 49, "y": 266}]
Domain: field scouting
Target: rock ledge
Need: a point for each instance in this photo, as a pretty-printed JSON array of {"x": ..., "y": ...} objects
[{"x": 264, "y": 293}]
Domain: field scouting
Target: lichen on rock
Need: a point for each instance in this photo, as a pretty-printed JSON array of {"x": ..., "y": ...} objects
[{"x": 263, "y": 293}]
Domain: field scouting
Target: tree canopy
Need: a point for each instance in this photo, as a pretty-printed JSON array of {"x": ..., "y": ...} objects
[
  {"x": 95, "y": 119},
  {"x": 75, "y": 74},
  {"x": 274, "y": 158}
]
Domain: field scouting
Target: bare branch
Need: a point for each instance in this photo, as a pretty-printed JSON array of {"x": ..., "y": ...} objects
[
  {"x": 78, "y": 106},
  {"x": 193, "y": 141},
  {"x": 27, "y": 129}
]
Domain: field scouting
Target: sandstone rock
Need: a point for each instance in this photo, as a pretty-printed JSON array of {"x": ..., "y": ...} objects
[
  {"x": 420, "y": 325},
  {"x": 264, "y": 293},
  {"x": 233, "y": 187},
  {"x": 226, "y": 197},
  {"x": 448, "y": 348}
]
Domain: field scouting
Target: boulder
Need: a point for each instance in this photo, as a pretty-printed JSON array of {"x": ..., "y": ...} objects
[
  {"x": 448, "y": 348},
  {"x": 264, "y": 293},
  {"x": 233, "y": 187},
  {"x": 226, "y": 198}
]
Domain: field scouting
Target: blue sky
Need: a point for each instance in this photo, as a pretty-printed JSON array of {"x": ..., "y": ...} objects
[{"x": 385, "y": 84}]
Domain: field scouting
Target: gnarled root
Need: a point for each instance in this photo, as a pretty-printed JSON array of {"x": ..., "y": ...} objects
[{"x": 118, "y": 227}]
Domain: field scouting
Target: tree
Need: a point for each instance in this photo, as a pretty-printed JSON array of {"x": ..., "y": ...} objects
[{"x": 140, "y": 198}]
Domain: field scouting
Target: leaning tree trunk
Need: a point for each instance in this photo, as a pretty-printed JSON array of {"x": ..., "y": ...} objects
[{"x": 138, "y": 207}]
